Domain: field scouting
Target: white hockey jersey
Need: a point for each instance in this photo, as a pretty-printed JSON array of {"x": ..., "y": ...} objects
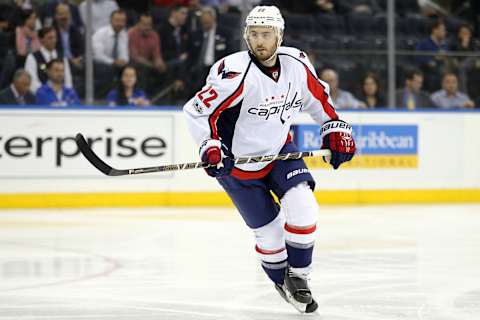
[{"x": 251, "y": 111}]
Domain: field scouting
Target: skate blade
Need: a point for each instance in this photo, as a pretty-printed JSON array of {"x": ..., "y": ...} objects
[{"x": 301, "y": 307}]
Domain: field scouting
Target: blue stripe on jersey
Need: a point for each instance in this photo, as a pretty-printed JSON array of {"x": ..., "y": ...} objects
[
  {"x": 226, "y": 124},
  {"x": 224, "y": 101}
]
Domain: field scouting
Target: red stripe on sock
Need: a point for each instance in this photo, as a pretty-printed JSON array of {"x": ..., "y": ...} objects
[
  {"x": 297, "y": 230},
  {"x": 265, "y": 251}
]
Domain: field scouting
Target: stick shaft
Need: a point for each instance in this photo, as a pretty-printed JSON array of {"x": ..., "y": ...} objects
[{"x": 110, "y": 171}]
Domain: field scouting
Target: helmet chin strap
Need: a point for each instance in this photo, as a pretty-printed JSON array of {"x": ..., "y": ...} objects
[{"x": 272, "y": 57}]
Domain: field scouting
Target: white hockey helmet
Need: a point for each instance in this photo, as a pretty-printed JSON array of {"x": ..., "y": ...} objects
[{"x": 265, "y": 16}]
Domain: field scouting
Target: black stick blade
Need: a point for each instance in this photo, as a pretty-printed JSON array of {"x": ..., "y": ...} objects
[{"x": 92, "y": 157}]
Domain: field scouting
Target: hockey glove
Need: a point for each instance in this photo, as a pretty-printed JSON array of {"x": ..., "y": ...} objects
[
  {"x": 215, "y": 153},
  {"x": 337, "y": 136}
]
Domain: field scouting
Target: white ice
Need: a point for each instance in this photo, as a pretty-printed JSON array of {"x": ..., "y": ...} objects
[{"x": 370, "y": 263}]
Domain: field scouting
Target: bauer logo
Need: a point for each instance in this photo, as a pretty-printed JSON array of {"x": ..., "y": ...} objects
[
  {"x": 378, "y": 146},
  {"x": 296, "y": 172}
]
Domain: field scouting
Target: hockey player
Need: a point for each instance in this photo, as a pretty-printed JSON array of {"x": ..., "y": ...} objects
[{"x": 246, "y": 108}]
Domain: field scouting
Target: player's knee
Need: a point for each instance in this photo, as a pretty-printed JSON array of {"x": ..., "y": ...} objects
[
  {"x": 271, "y": 236},
  {"x": 300, "y": 206}
]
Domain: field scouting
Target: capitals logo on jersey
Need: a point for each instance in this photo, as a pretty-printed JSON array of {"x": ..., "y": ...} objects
[
  {"x": 282, "y": 105},
  {"x": 226, "y": 74}
]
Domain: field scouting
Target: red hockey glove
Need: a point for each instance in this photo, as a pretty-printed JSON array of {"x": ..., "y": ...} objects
[
  {"x": 217, "y": 155},
  {"x": 337, "y": 136}
]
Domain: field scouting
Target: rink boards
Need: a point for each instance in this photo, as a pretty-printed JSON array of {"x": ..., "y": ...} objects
[{"x": 403, "y": 157}]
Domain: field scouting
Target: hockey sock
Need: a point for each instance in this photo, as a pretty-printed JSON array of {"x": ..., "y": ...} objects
[
  {"x": 299, "y": 245},
  {"x": 271, "y": 250},
  {"x": 275, "y": 270},
  {"x": 301, "y": 209}
]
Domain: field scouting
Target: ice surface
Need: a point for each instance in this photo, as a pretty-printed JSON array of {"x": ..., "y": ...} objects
[{"x": 371, "y": 262}]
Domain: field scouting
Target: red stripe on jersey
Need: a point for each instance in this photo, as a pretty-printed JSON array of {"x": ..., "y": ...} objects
[
  {"x": 318, "y": 91},
  {"x": 265, "y": 251},
  {"x": 249, "y": 175},
  {"x": 289, "y": 138},
  {"x": 224, "y": 105},
  {"x": 297, "y": 230}
]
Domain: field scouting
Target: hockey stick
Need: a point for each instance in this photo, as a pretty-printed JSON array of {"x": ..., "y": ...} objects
[{"x": 109, "y": 171}]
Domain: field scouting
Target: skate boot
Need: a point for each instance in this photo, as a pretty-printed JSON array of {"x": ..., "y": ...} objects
[{"x": 296, "y": 292}]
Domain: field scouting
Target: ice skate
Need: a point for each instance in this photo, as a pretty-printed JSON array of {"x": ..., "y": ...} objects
[{"x": 296, "y": 292}]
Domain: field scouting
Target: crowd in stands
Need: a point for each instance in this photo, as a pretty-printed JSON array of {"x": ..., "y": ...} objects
[{"x": 160, "y": 51}]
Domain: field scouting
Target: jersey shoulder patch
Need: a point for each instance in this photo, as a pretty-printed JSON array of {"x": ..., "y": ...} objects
[
  {"x": 300, "y": 56},
  {"x": 294, "y": 52},
  {"x": 231, "y": 66}
]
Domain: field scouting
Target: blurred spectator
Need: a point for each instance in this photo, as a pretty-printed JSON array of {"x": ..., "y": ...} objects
[
  {"x": 136, "y": 6},
  {"x": 17, "y": 15},
  {"x": 145, "y": 54},
  {"x": 5, "y": 10},
  {"x": 411, "y": 96},
  {"x": 50, "y": 8},
  {"x": 449, "y": 97},
  {"x": 467, "y": 66},
  {"x": 358, "y": 6},
  {"x": 475, "y": 15},
  {"x": 174, "y": 46},
  {"x": 110, "y": 43},
  {"x": 370, "y": 93},
  {"x": 433, "y": 65},
  {"x": 36, "y": 63},
  {"x": 238, "y": 6},
  {"x": 53, "y": 92},
  {"x": 436, "y": 42},
  {"x": 208, "y": 45},
  {"x": 464, "y": 41},
  {"x": 430, "y": 8},
  {"x": 101, "y": 12},
  {"x": 341, "y": 98},
  {"x": 174, "y": 39},
  {"x": 193, "y": 19},
  {"x": 127, "y": 93},
  {"x": 24, "y": 4},
  {"x": 110, "y": 51},
  {"x": 7, "y": 54},
  {"x": 70, "y": 42},
  {"x": 168, "y": 3},
  {"x": 19, "y": 91},
  {"x": 26, "y": 38},
  {"x": 298, "y": 7},
  {"x": 325, "y": 6}
]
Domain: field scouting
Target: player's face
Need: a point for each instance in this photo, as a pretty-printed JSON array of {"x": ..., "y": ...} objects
[{"x": 263, "y": 42}]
